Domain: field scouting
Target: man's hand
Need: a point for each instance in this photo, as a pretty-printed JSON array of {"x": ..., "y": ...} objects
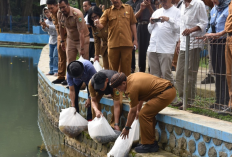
[
  {"x": 164, "y": 18},
  {"x": 135, "y": 43},
  {"x": 63, "y": 46},
  {"x": 148, "y": 3},
  {"x": 96, "y": 22},
  {"x": 187, "y": 32},
  {"x": 98, "y": 114},
  {"x": 96, "y": 58},
  {"x": 82, "y": 52},
  {"x": 178, "y": 47},
  {"x": 137, "y": 115},
  {"x": 142, "y": 6},
  {"x": 87, "y": 103},
  {"x": 124, "y": 133},
  {"x": 116, "y": 128}
]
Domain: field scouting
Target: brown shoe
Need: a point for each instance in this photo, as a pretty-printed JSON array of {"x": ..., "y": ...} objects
[{"x": 178, "y": 104}]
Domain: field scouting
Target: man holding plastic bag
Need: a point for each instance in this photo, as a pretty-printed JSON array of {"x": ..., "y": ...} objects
[
  {"x": 98, "y": 86},
  {"x": 78, "y": 72},
  {"x": 139, "y": 87}
]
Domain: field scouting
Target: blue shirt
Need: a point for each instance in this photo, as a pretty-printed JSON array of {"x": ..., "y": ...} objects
[
  {"x": 89, "y": 71},
  {"x": 220, "y": 21}
]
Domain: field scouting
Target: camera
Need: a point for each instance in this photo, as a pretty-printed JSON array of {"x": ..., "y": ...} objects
[
  {"x": 42, "y": 18},
  {"x": 156, "y": 20}
]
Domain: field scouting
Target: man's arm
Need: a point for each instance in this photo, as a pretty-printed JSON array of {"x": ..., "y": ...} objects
[
  {"x": 72, "y": 95},
  {"x": 117, "y": 113},
  {"x": 101, "y": 23},
  {"x": 139, "y": 9},
  {"x": 134, "y": 33},
  {"x": 82, "y": 42}
]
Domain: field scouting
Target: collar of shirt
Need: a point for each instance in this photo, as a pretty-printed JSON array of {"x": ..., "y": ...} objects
[
  {"x": 70, "y": 12},
  {"x": 123, "y": 5},
  {"x": 191, "y": 3}
]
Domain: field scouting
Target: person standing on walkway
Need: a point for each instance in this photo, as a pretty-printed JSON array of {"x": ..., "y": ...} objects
[
  {"x": 49, "y": 27},
  {"x": 100, "y": 37},
  {"x": 193, "y": 23},
  {"x": 133, "y": 4},
  {"x": 86, "y": 7},
  {"x": 216, "y": 33},
  {"x": 228, "y": 54},
  {"x": 53, "y": 8},
  {"x": 163, "y": 39},
  {"x": 121, "y": 28},
  {"x": 99, "y": 86},
  {"x": 143, "y": 10},
  {"x": 73, "y": 21},
  {"x": 80, "y": 71},
  {"x": 140, "y": 87}
]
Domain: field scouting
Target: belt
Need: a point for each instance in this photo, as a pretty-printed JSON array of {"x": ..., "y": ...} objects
[
  {"x": 229, "y": 34},
  {"x": 168, "y": 87},
  {"x": 143, "y": 22}
]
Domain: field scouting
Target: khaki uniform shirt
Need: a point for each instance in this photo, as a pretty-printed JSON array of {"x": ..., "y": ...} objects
[
  {"x": 100, "y": 40},
  {"x": 56, "y": 23},
  {"x": 228, "y": 24},
  {"x": 73, "y": 23},
  {"x": 120, "y": 21},
  {"x": 143, "y": 87}
]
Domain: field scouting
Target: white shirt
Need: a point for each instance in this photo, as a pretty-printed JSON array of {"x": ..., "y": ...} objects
[
  {"x": 51, "y": 32},
  {"x": 180, "y": 3},
  {"x": 192, "y": 16},
  {"x": 163, "y": 35}
]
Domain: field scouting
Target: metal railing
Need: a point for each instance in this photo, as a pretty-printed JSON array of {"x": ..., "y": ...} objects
[{"x": 214, "y": 93}]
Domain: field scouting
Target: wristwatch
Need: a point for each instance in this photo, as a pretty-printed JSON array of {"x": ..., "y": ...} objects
[
  {"x": 61, "y": 41},
  {"x": 116, "y": 124},
  {"x": 127, "y": 127}
]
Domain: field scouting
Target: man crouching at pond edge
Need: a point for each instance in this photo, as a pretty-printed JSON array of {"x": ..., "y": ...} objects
[
  {"x": 140, "y": 87},
  {"x": 78, "y": 72},
  {"x": 98, "y": 86}
]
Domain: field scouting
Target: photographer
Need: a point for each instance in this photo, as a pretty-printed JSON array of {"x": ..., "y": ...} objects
[{"x": 49, "y": 27}]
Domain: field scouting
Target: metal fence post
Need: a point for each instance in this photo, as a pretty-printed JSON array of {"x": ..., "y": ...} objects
[
  {"x": 11, "y": 23},
  {"x": 185, "y": 96},
  {"x": 28, "y": 24}
]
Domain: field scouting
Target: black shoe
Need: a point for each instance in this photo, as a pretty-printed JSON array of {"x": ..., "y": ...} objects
[
  {"x": 64, "y": 83},
  {"x": 173, "y": 68},
  {"x": 155, "y": 143},
  {"x": 58, "y": 81},
  {"x": 67, "y": 87},
  {"x": 208, "y": 80},
  {"x": 147, "y": 148}
]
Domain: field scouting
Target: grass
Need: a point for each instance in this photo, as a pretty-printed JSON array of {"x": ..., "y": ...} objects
[{"x": 204, "y": 62}]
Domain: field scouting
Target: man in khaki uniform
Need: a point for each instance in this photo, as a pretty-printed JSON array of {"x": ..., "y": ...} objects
[
  {"x": 139, "y": 87},
  {"x": 53, "y": 8},
  {"x": 77, "y": 31},
  {"x": 228, "y": 29},
  {"x": 121, "y": 28},
  {"x": 98, "y": 86}
]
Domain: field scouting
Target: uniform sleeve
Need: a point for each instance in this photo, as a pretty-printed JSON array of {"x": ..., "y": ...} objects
[
  {"x": 80, "y": 21},
  {"x": 116, "y": 94},
  {"x": 104, "y": 18},
  {"x": 132, "y": 17},
  {"x": 133, "y": 98},
  {"x": 91, "y": 90},
  {"x": 97, "y": 43}
]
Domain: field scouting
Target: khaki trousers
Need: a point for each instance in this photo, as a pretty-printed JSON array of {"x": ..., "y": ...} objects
[
  {"x": 147, "y": 114},
  {"x": 120, "y": 59},
  {"x": 105, "y": 60},
  {"x": 98, "y": 97},
  {"x": 194, "y": 59},
  {"x": 62, "y": 60},
  {"x": 160, "y": 65},
  {"x": 228, "y": 57},
  {"x": 73, "y": 47}
]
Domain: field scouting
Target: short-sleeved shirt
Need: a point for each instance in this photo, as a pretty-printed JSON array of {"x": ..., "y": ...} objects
[
  {"x": 88, "y": 73},
  {"x": 146, "y": 15},
  {"x": 143, "y": 87},
  {"x": 228, "y": 25},
  {"x": 100, "y": 40},
  {"x": 219, "y": 18},
  {"x": 134, "y": 4},
  {"x": 114, "y": 92},
  {"x": 73, "y": 23},
  {"x": 119, "y": 22}
]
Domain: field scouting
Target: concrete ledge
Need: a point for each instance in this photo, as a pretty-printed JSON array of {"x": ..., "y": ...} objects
[{"x": 24, "y": 38}]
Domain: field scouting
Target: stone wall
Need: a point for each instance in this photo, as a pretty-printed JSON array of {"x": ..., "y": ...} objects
[{"x": 183, "y": 142}]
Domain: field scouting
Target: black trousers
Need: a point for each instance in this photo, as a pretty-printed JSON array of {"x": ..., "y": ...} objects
[
  {"x": 143, "y": 43},
  {"x": 77, "y": 89},
  {"x": 219, "y": 68},
  {"x": 91, "y": 50},
  {"x": 133, "y": 63}
]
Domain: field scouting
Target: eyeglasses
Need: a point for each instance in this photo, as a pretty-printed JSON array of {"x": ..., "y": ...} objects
[
  {"x": 46, "y": 12},
  {"x": 94, "y": 17}
]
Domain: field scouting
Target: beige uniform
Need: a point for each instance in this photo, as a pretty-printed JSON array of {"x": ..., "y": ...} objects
[{"x": 74, "y": 23}]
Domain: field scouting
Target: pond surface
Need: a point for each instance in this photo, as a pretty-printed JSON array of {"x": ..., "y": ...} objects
[{"x": 25, "y": 130}]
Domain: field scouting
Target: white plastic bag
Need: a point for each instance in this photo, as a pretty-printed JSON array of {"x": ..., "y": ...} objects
[
  {"x": 122, "y": 147},
  {"x": 96, "y": 65},
  {"x": 100, "y": 131},
  {"x": 81, "y": 58},
  {"x": 72, "y": 123}
]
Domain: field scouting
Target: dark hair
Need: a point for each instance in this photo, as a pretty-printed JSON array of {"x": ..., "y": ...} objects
[
  {"x": 65, "y": 1},
  {"x": 44, "y": 9},
  {"x": 95, "y": 10},
  {"x": 117, "y": 79},
  {"x": 54, "y": 2},
  {"x": 88, "y": 2}
]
